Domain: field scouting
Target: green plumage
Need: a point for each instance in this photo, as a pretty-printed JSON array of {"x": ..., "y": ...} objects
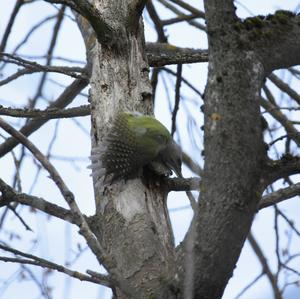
[{"x": 133, "y": 141}]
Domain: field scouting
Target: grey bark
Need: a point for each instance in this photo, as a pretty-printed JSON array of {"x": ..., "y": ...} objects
[
  {"x": 234, "y": 155},
  {"x": 131, "y": 221}
]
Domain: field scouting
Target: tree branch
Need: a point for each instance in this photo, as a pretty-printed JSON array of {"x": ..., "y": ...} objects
[
  {"x": 49, "y": 113},
  {"x": 191, "y": 164},
  {"x": 37, "y": 261},
  {"x": 278, "y": 169},
  {"x": 105, "y": 34},
  {"x": 182, "y": 18},
  {"x": 160, "y": 54},
  {"x": 67, "y": 194},
  {"x": 247, "y": 287},
  {"x": 33, "y": 67},
  {"x": 189, "y": 8},
  {"x": 176, "y": 11},
  {"x": 185, "y": 81},
  {"x": 177, "y": 98},
  {"x": 264, "y": 263},
  {"x": 161, "y": 37},
  {"x": 13, "y": 209},
  {"x": 10, "y": 195},
  {"x": 285, "y": 88},
  {"x": 62, "y": 101},
  {"x": 273, "y": 34},
  {"x": 282, "y": 119},
  {"x": 9, "y": 26},
  {"x": 279, "y": 196},
  {"x": 183, "y": 184}
]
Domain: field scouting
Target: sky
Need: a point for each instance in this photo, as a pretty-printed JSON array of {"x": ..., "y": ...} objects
[{"x": 59, "y": 241}]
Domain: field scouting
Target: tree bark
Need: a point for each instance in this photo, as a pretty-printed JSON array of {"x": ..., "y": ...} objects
[
  {"x": 234, "y": 156},
  {"x": 131, "y": 221}
]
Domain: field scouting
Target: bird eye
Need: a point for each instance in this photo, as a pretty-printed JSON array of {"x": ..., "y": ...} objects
[{"x": 160, "y": 138}]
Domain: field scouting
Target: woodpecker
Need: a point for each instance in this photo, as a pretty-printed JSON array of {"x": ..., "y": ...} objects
[{"x": 133, "y": 141}]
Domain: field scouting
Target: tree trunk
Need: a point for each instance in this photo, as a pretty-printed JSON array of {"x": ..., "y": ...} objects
[
  {"x": 131, "y": 221},
  {"x": 234, "y": 154}
]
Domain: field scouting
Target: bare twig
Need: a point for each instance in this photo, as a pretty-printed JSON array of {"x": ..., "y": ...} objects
[
  {"x": 278, "y": 139},
  {"x": 279, "y": 195},
  {"x": 247, "y": 287},
  {"x": 184, "y": 81},
  {"x": 9, "y": 26},
  {"x": 282, "y": 119},
  {"x": 10, "y": 195},
  {"x": 160, "y": 54},
  {"x": 180, "y": 14},
  {"x": 49, "y": 113},
  {"x": 161, "y": 37},
  {"x": 285, "y": 88},
  {"x": 177, "y": 98},
  {"x": 67, "y": 194},
  {"x": 189, "y": 8},
  {"x": 31, "y": 31},
  {"x": 182, "y": 18},
  {"x": 264, "y": 263},
  {"x": 191, "y": 164},
  {"x": 62, "y": 101},
  {"x": 13, "y": 209},
  {"x": 37, "y": 261},
  {"x": 31, "y": 67},
  {"x": 50, "y": 51},
  {"x": 290, "y": 222},
  {"x": 277, "y": 241}
]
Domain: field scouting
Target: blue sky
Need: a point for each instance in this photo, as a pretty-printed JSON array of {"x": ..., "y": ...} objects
[{"x": 59, "y": 241}]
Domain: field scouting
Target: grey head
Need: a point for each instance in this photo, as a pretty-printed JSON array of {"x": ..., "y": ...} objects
[{"x": 170, "y": 158}]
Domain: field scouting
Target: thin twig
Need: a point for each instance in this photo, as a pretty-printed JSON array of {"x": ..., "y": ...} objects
[
  {"x": 67, "y": 194},
  {"x": 285, "y": 88},
  {"x": 177, "y": 98},
  {"x": 13, "y": 209},
  {"x": 185, "y": 81},
  {"x": 10, "y": 195},
  {"x": 32, "y": 30},
  {"x": 9, "y": 26},
  {"x": 181, "y": 14},
  {"x": 264, "y": 263},
  {"x": 161, "y": 37},
  {"x": 290, "y": 222},
  {"x": 66, "y": 97},
  {"x": 31, "y": 67},
  {"x": 37, "y": 261},
  {"x": 282, "y": 119},
  {"x": 182, "y": 18},
  {"x": 247, "y": 287},
  {"x": 277, "y": 241},
  {"x": 191, "y": 164},
  {"x": 279, "y": 195}
]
